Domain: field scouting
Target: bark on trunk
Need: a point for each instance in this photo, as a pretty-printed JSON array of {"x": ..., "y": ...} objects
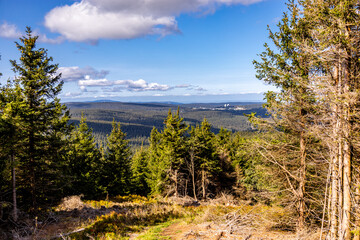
[
  {"x": 301, "y": 220},
  {"x": 357, "y": 210},
  {"x": 13, "y": 176},
  {"x": 176, "y": 183},
  {"x": 346, "y": 192},
  {"x": 203, "y": 184}
]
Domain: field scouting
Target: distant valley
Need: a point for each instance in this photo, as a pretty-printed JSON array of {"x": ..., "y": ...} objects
[{"x": 137, "y": 119}]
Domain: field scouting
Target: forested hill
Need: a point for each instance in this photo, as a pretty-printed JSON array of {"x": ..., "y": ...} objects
[{"x": 137, "y": 119}]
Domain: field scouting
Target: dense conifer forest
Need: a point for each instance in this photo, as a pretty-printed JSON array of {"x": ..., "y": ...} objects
[{"x": 302, "y": 159}]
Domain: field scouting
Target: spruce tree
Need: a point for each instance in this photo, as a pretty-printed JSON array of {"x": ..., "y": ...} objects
[
  {"x": 139, "y": 168},
  {"x": 202, "y": 142},
  {"x": 116, "y": 174},
  {"x": 43, "y": 121},
  {"x": 287, "y": 67},
  {"x": 157, "y": 176},
  {"x": 174, "y": 149},
  {"x": 83, "y": 159},
  {"x": 334, "y": 28},
  {"x": 167, "y": 153}
]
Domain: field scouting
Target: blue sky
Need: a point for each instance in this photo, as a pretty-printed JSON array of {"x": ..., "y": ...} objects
[{"x": 146, "y": 50}]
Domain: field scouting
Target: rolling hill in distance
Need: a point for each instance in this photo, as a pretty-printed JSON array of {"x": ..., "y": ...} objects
[{"x": 138, "y": 119}]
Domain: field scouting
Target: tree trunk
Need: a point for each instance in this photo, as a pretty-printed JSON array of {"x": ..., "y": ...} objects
[
  {"x": 203, "y": 184},
  {"x": 301, "y": 219},
  {"x": 13, "y": 176},
  {"x": 193, "y": 175},
  {"x": 346, "y": 192},
  {"x": 176, "y": 183},
  {"x": 357, "y": 210},
  {"x": 340, "y": 186},
  {"x": 334, "y": 197}
]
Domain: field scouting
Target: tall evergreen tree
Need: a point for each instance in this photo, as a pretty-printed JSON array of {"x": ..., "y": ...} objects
[
  {"x": 157, "y": 167},
  {"x": 334, "y": 28},
  {"x": 139, "y": 168},
  {"x": 167, "y": 154},
  {"x": 173, "y": 147},
  {"x": 287, "y": 67},
  {"x": 116, "y": 174},
  {"x": 207, "y": 161},
  {"x": 43, "y": 122},
  {"x": 83, "y": 159}
]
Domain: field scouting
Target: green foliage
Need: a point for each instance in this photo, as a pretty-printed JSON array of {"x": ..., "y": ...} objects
[
  {"x": 156, "y": 177},
  {"x": 115, "y": 174},
  {"x": 205, "y": 156},
  {"x": 83, "y": 160},
  {"x": 39, "y": 123},
  {"x": 168, "y": 151},
  {"x": 173, "y": 141},
  {"x": 139, "y": 168}
]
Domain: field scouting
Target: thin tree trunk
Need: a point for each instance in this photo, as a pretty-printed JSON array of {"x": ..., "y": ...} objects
[
  {"x": 340, "y": 188},
  {"x": 176, "y": 183},
  {"x": 13, "y": 176},
  {"x": 346, "y": 214},
  {"x": 357, "y": 209},
  {"x": 346, "y": 192},
  {"x": 334, "y": 198},
  {"x": 301, "y": 219},
  {"x": 193, "y": 174},
  {"x": 203, "y": 184}
]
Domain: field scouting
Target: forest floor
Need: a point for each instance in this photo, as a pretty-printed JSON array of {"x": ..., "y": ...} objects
[{"x": 135, "y": 217}]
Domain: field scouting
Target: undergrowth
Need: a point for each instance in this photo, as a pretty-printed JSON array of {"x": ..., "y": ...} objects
[{"x": 123, "y": 216}]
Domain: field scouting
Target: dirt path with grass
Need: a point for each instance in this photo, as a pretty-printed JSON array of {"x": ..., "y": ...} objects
[{"x": 212, "y": 231}]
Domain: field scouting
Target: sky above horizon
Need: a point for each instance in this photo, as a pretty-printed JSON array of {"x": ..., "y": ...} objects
[{"x": 146, "y": 50}]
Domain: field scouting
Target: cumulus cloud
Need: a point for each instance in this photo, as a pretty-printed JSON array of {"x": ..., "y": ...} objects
[
  {"x": 191, "y": 87},
  {"x": 73, "y": 94},
  {"x": 85, "y": 22},
  {"x": 76, "y": 73},
  {"x": 9, "y": 31},
  {"x": 130, "y": 85},
  {"x": 95, "y": 82},
  {"x": 91, "y": 20},
  {"x": 142, "y": 85},
  {"x": 44, "y": 39}
]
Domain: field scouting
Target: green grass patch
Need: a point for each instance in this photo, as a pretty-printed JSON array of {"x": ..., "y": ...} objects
[{"x": 154, "y": 233}]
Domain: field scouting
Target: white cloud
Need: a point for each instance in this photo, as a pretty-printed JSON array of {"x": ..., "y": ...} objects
[
  {"x": 73, "y": 94},
  {"x": 191, "y": 87},
  {"x": 86, "y": 22},
  {"x": 76, "y": 73},
  {"x": 130, "y": 85},
  {"x": 142, "y": 85},
  {"x": 91, "y": 20},
  {"x": 44, "y": 39},
  {"x": 95, "y": 82},
  {"x": 9, "y": 31}
]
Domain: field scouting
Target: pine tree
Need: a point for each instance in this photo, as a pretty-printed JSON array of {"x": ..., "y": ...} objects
[
  {"x": 116, "y": 176},
  {"x": 83, "y": 159},
  {"x": 139, "y": 168},
  {"x": 167, "y": 153},
  {"x": 43, "y": 123},
  {"x": 10, "y": 104},
  {"x": 287, "y": 67},
  {"x": 335, "y": 80},
  {"x": 206, "y": 158},
  {"x": 174, "y": 148},
  {"x": 157, "y": 168}
]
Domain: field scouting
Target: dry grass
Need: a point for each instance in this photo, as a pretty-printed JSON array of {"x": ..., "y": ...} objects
[
  {"x": 70, "y": 203},
  {"x": 224, "y": 216}
]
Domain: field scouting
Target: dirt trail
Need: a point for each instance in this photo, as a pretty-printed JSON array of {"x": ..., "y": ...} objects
[{"x": 212, "y": 231}]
